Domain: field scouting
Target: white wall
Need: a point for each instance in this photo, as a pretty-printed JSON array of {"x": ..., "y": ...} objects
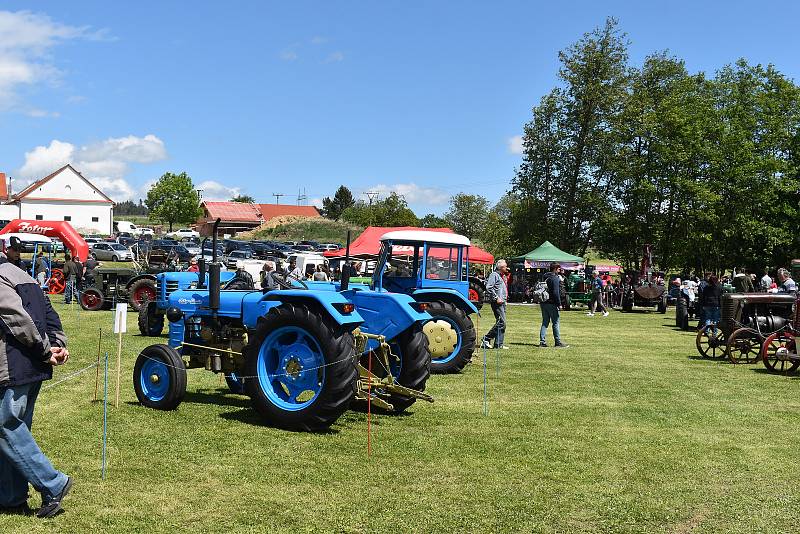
[
  {"x": 81, "y": 214},
  {"x": 9, "y": 212}
]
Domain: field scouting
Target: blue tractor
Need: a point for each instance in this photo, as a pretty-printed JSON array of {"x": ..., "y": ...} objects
[
  {"x": 155, "y": 303},
  {"x": 302, "y": 356},
  {"x": 433, "y": 267}
]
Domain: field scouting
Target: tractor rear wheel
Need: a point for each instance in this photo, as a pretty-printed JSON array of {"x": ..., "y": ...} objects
[
  {"x": 91, "y": 299},
  {"x": 744, "y": 346},
  {"x": 159, "y": 377},
  {"x": 451, "y": 337},
  {"x": 305, "y": 368},
  {"x": 151, "y": 323},
  {"x": 662, "y": 305},
  {"x": 141, "y": 291},
  {"x": 710, "y": 342},
  {"x": 413, "y": 367}
]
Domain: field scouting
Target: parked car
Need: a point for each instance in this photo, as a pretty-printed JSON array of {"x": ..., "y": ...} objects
[
  {"x": 304, "y": 248},
  {"x": 127, "y": 241},
  {"x": 236, "y": 255},
  {"x": 184, "y": 232},
  {"x": 146, "y": 231},
  {"x": 315, "y": 245},
  {"x": 180, "y": 251},
  {"x": 92, "y": 240},
  {"x": 193, "y": 248},
  {"x": 329, "y": 246},
  {"x": 111, "y": 251},
  {"x": 159, "y": 242},
  {"x": 233, "y": 244}
]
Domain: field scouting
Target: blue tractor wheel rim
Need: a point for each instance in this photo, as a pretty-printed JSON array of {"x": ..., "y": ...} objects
[
  {"x": 154, "y": 379},
  {"x": 459, "y": 339},
  {"x": 290, "y": 368}
]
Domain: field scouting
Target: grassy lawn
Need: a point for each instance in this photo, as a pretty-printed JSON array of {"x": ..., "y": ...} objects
[{"x": 625, "y": 431}]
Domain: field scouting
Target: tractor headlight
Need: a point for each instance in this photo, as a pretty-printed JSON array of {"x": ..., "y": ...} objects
[
  {"x": 421, "y": 307},
  {"x": 344, "y": 307},
  {"x": 174, "y": 314}
]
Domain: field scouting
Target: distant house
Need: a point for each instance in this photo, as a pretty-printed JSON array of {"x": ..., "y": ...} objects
[
  {"x": 64, "y": 195},
  {"x": 241, "y": 216}
]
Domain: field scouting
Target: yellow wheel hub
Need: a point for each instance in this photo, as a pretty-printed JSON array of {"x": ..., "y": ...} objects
[{"x": 442, "y": 338}]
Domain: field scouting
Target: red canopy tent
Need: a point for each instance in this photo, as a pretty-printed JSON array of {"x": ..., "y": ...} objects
[{"x": 369, "y": 244}]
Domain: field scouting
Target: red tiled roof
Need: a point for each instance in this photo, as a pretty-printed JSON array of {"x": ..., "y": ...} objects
[
  {"x": 255, "y": 213},
  {"x": 232, "y": 211},
  {"x": 3, "y": 186}
]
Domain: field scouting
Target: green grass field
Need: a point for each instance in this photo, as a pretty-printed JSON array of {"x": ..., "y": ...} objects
[{"x": 625, "y": 431}]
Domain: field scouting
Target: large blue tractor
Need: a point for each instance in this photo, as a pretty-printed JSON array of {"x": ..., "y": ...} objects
[{"x": 300, "y": 355}]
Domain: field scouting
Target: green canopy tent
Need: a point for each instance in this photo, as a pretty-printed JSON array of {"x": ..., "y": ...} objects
[{"x": 542, "y": 256}]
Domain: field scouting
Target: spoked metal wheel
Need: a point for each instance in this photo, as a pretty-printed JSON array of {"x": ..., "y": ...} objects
[
  {"x": 744, "y": 346},
  {"x": 711, "y": 342},
  {"x": 779, "y": 353}
]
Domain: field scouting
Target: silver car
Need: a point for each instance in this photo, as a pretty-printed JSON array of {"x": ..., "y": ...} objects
[{"x": 111, "y": 251}]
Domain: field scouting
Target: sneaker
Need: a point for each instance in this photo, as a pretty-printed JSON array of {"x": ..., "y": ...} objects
[
  {"x": 543, "y": 345},
  {"x": 605, "y": 314},
  {"x": 503, "y": 347},
  {"x": 562, "y": 346},
  {"x": 52, "y": 506},
  {"x": 20, "y": 509},
  {"x": 590, "y": 314},
  {"x": 485, "y": 345}
]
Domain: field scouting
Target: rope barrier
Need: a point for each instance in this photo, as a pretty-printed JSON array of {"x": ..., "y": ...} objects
[{"x": 70, "y": 376}]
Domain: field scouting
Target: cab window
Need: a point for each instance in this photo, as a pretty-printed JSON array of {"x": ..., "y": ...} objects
[{"x": 443, "y": 264}]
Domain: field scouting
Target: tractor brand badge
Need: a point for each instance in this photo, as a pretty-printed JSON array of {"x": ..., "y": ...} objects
[
  {"x": 33, "y": 228},
  {"x": 189, "y": 301}
]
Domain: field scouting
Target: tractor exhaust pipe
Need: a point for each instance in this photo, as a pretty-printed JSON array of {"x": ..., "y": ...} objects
[
  {"x": 213, "y": 276},
  {"x": 345, "y": 281}
]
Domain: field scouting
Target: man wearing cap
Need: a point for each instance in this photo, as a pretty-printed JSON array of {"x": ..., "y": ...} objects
[
  {"x": 32, "y": 341},
  {"x": 71, "y": 275},
  {"x": 12, "y": 252}
]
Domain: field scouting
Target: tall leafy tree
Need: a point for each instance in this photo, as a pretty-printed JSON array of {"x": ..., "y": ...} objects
[
  {"x": 432, "y": 221},
  {"x": 467, "y": 214},
  {"x": 173, "y": 199},
  {"x": 390, "y": 211},
  {"x": 332, "y": 208}
]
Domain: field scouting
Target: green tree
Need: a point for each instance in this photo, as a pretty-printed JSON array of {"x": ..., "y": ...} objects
[
  {"x": 245, "y": 199},
  {"x": 332, "y": 208},
  {"x": 173, "y": 199},
  {"x": 467, "y": 214},
  {"x": 391, "y": 211},
  {"x": 432, "y": 221},
  {"x": 497, "y": 236}
]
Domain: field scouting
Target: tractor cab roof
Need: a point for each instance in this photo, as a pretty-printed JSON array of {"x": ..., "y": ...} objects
[{"x": 426, "y": 236}]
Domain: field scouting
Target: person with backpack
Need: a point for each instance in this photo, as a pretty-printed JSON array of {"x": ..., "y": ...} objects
[
  {"x": 549, "y": 301},
  {"x": 597, "y": 296},
  {"x": 497, "y": 295}
]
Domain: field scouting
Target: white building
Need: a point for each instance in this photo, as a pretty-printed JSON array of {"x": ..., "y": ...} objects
[{"x": 64, "y": 195}]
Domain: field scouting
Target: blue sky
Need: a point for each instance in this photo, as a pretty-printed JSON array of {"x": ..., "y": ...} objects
[{"x": 271, "y": 97}]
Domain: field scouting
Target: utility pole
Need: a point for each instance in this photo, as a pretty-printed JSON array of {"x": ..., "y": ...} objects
[
  {"x": 277, "y": 197},
  {"x": 371, "y": 195},
  {"x": 301, "y": 197}
]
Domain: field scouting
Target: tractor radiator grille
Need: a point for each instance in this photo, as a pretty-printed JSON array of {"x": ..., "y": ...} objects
[{"x": 171, "y": 286}]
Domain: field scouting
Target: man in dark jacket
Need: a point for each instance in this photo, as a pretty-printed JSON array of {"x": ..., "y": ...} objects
[
  {"x": 71, "y": 276},
  {"x": 31, "y": 343},
  {"x": 550, "y": 307}
]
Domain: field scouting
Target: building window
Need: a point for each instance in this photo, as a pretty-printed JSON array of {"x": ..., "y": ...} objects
[
  {"x": 95, "y": 219},
  {"x": 39, "y": 217},
  {"x": 67, "y": 218}
]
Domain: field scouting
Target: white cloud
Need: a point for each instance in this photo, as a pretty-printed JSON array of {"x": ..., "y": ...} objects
[
  {"x": 26, "y": 40},
  {"x": 288, "y": 55},
  {"x": 215, "y": 191},
  {"x": 106, "y": 163},
  {"x": 515, "y": 145},
  {"x": 413, "y": 193},
  {"x": 335, "y": 57}
]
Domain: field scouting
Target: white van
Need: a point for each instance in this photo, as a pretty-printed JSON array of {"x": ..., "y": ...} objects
[{"x": 126, "y": 227}]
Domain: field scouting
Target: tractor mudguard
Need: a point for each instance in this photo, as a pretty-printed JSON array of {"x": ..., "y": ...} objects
[
  {"x": 140, "y": 277},
  {"x": 330, "y": 301},
  {"x": 446, "y": 295},
  {"x": 385, "y": 314}
]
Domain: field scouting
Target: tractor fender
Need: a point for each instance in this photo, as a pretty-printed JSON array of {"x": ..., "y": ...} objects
[
  {"x": 446, "y": 295},
  {"x": 139, "y": 277},
  {"x": 386, "y": 314},
  {"x": 253, "y": 308}
]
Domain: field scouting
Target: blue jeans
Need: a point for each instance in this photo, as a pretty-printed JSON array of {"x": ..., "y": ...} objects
[
  {"x": 550, "y": 313},
  {"x": 70, "y": 291},
  {"x": 21, "y": 459},
  {"x": 498, "y": 331},
  {"x": 711, "y": 314}
]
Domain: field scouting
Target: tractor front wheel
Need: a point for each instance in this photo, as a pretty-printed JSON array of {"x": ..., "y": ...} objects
[
  {"x": 305, "y": 368},
  {"x": 159, "y": 377},
  {"x": 710, "y": 342},
  {"x": 91, "y": 299},
  {"x": 451, "y": 337},
  {"x": 779, "y": 353},
  {"x": 151, "y": 323}
]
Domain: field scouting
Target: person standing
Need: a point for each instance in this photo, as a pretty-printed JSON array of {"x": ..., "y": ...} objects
[
  {"x": 71, "y": 275},
  {"x": 766, "y": 282},
  {"x": 41, "y": 269},
  {"x": 33, "y": 341},
  {"x": 711, "y": 300},
  {"x": 787, "y": 285},
  {"x": 550, "y": 313},
  {"x": 497, "y": 294},
  {"x": 193, "y": 267},
  {"x": 597, "y": 296},
  {"x": 320, "y": 275},
  {"x": 267, "y": 281}
]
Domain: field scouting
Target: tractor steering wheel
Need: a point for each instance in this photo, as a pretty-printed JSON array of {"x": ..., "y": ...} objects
[{"x": 284, "y": 282}]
